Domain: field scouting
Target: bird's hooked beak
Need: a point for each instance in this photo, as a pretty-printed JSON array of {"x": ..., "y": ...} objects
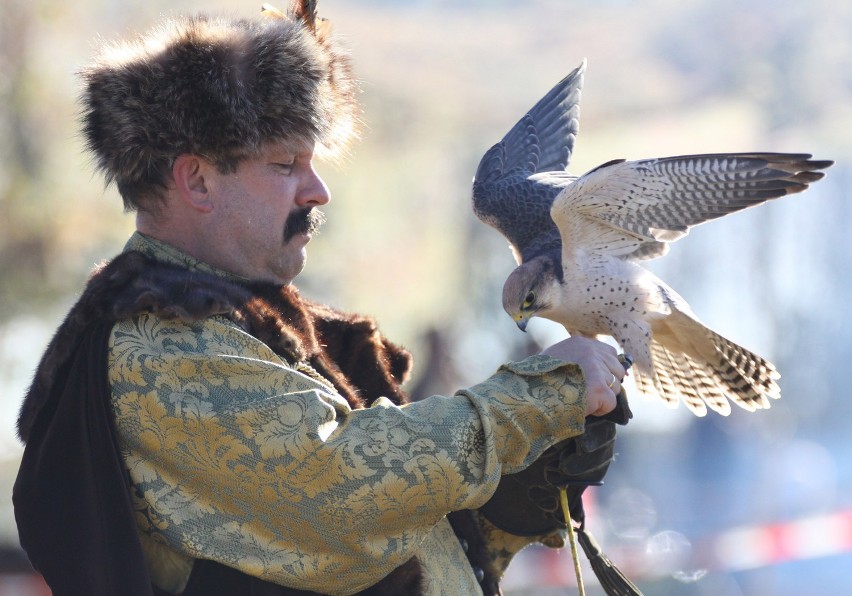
[{"x": 521, "y": 320}]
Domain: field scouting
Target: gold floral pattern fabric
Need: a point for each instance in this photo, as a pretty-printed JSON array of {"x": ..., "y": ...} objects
[{"x": 239, "y": 457}]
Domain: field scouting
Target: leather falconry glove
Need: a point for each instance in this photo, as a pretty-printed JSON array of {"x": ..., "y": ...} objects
[{"x": 527, "y": 503}]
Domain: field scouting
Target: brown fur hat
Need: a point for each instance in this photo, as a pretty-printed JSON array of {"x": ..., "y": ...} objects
[{"x": 216, "y": 87}]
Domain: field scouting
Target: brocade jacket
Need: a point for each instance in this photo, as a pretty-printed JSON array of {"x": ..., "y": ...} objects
[{"x": 240, "y": 456}]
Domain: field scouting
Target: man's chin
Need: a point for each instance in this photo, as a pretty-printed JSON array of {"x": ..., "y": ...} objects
[{"x": 294, "y": 264}]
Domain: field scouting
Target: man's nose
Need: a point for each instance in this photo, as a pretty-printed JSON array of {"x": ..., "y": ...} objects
[{"x": 313, "y": 191}]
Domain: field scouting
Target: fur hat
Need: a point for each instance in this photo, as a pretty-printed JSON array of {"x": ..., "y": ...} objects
[{"x": 216, "y": 87}]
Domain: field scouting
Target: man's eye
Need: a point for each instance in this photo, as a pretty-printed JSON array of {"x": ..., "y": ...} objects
[{"x": 285, "y": 168}]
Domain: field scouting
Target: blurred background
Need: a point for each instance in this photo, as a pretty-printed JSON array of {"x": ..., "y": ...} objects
[{"x": 751, "y": 504}]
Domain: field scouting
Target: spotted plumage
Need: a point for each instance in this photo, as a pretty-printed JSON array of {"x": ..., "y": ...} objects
[{"x": 579, "y": 243}]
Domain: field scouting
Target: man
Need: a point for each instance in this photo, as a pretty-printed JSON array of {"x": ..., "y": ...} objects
[{"x": 198, "y": 427}]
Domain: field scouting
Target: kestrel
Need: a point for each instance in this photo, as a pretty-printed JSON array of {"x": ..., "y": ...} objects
[{"x": 580, "y": 241}]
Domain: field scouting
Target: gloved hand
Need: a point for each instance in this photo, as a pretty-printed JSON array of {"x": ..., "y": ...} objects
[{"x": 527, "y": 503}]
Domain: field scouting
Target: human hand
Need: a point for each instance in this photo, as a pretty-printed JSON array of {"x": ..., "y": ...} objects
[{"x": 601, "y": 368}]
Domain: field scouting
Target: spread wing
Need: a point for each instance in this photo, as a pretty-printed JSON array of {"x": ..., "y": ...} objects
[
  {"x": 518, "y": 178},
  {"x": 633, "y": 209}
]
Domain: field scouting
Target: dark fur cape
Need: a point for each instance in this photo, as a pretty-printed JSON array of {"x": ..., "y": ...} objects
[{"x": 345, "y": 349}]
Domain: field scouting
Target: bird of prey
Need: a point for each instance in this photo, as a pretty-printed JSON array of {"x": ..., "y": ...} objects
[{"x": 580, "y": 241}]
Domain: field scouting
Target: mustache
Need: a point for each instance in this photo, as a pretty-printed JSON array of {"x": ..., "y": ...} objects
[{"x": 303, "y": 221}]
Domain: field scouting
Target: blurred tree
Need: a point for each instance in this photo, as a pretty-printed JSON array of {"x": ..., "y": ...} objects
[{"x": 23, "y": 250}]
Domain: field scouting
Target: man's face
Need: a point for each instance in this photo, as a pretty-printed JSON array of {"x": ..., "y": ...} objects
[{"x": 267, "y": 213}]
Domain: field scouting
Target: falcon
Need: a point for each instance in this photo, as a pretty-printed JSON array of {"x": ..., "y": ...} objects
[{"x": 580, "y": 242}]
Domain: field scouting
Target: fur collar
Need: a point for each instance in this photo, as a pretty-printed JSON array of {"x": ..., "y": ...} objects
[{"x": 345, "y": 349}]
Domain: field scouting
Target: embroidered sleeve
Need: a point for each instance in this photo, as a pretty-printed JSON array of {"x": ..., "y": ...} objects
[{"x": 239, "y": 458}]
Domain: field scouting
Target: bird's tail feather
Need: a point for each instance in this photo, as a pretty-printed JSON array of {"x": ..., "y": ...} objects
[{"x": 693, "y": 363}]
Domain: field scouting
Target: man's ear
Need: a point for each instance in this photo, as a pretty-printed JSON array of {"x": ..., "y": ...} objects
[{"x": 190, "y": 174}]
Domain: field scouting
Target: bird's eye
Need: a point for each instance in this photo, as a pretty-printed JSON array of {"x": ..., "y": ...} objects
[{"x": 528, "y": 301}]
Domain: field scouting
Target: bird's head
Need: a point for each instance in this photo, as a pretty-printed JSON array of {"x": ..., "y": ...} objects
[{"x": 530, "y": 290}]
